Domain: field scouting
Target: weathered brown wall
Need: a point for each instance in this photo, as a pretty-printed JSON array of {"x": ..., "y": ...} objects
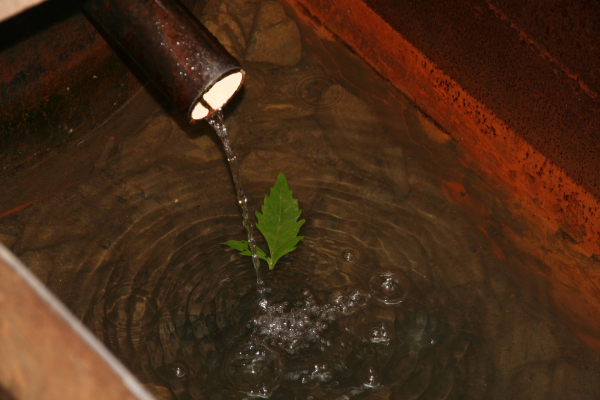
[{"x": 516, "y": 85}]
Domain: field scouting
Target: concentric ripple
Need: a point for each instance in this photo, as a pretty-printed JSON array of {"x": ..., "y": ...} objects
[
  {"x": 359, "y": 309},
  {"x": 356, "y": 310}
]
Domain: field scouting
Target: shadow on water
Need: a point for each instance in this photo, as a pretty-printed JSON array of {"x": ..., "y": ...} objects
[{"x": 392, "y": 294}]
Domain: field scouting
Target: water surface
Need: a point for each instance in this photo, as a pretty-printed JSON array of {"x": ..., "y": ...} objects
[{"x": 399, "y": 295}]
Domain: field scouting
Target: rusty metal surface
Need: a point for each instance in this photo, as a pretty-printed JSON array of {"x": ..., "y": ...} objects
[
  {"x": 169, "y": 44},
  {"x": 46, "y": 353},
  {"x": 535, "y": 64},
  {"x": 59, "y": 80}
]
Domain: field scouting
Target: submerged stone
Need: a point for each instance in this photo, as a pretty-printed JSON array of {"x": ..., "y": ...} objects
[
  {"x": 225, "y": 28},
  {"x": 276, "y": 38}
]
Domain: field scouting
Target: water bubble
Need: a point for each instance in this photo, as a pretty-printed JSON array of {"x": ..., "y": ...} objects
[
  {"x": 381, "y": 333},
  {"x": 371, "y": 378},
  {"x": 357, "y": 297},
  {"x": 179, "y": 370},
  {"x": 338, "y": 297},
  {"x": 304, "y": 379},
  {"x": 254, "y": 369},
  {"x": 321, "y": 372},
  {"x": 348, "y": 255},
  {"x": 389, "y": 287},
  {"x": 346, "y": 301},
  {"x": 263, "y": 304}
]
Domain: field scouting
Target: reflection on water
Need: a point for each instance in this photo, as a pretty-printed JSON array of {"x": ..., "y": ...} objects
[{"x": 396, "y": 294}]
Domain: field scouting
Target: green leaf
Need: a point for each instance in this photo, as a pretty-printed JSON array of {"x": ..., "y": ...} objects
[
  {"x": 244, "y": 249},
  {"x": 279, "y": 221}
]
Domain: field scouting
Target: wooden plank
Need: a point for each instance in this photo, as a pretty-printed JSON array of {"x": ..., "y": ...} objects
[{"x": 46, "y": 352}]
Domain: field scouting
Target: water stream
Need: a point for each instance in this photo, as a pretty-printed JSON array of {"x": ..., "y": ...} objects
[{"x": 216, "y": 121}]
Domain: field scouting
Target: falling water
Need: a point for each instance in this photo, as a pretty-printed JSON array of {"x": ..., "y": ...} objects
[{"x": 216, "y": 121}]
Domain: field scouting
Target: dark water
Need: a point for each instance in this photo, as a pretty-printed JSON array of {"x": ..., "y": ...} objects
[{"x": 393, "y": 294}]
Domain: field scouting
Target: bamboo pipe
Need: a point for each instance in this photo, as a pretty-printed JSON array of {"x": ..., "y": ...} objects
[{"x": 185, "y": 61}]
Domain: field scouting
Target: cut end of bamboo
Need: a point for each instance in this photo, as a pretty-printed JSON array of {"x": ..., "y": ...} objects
[{"x": 218, "y": 95}]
